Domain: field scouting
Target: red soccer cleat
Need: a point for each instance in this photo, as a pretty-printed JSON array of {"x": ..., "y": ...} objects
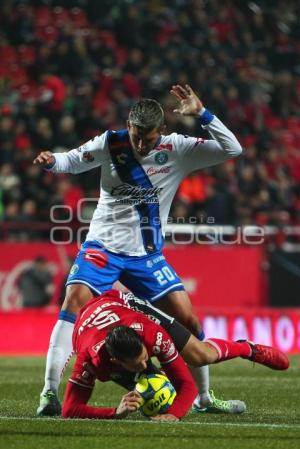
[{"x": 268, "y": 356}]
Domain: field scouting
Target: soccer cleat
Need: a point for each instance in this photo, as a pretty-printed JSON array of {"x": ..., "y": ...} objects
[
  {"x": 215, "y": 405},
  {"x": 49, "y": 404},
  {"x": 268, "y": 356}
]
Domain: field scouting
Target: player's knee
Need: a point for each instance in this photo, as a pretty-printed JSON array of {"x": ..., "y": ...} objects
[
  {"x": 77, "y": 296},
  {"x": 199, "y": 357},
  {"x": 194, "y": 353},
  {"x": 191, "y": 322}
]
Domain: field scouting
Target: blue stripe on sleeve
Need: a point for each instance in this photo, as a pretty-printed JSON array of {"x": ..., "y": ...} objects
[
  {"x": 64, "y": 315},
  {"x": 206, "y": 117}
]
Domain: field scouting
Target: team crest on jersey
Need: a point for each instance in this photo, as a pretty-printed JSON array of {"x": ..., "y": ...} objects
[{"x": 161, "y": 158}]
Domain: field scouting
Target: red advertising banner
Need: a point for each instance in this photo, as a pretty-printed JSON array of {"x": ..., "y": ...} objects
[
  {"x": 226, "y": 284},
  {"x": 272, "y": 327},
  {"x": 221, "y": 275},
  {"x": 28, "y": 331}
]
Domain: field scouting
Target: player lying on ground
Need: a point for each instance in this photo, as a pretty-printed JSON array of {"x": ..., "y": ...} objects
[
  {"x": 115, "y": 342},
  {"x": 141, "y": 169}
]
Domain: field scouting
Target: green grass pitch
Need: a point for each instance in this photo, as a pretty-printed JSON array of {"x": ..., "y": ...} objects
[{"x": 272, "y": 419}]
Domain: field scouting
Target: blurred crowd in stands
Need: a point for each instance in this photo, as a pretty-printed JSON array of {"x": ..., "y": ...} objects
[{"x": 71, "y": 69}]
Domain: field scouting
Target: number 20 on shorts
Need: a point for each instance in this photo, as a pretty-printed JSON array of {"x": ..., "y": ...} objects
[{"x": 164, "y": 275}]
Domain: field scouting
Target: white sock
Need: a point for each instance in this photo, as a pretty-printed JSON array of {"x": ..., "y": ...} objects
[
  {"x": 201, "y": 377},
  {"x": 59, "y": 353}
]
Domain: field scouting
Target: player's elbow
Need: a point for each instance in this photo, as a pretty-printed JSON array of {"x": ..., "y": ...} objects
[
  {"x": 239, "y": 150},
  {"x": 236, "y": 149}
]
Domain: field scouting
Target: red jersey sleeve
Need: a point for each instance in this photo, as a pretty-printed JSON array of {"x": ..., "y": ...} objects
[
  {"x": 160, "y": 343},
  {"x": 184, "y": 384},
  {"x": 173, "y": 364},
  {"x": 75, "y": 404},
  {"x": 78, "y": 393}
]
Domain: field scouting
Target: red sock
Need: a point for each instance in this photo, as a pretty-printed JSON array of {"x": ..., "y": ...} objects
[{"x": 230, "y": 349}]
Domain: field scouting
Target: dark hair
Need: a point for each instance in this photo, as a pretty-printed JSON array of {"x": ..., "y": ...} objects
[
  {"x": 123, "y": 343},
  {"x": 147, "y": 114}
]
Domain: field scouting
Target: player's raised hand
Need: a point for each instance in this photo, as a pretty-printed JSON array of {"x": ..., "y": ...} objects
[
  {"x": 190, "y": 103},
  {"x": 130, "y": 402},
  {"x": 44, "y": 158},
  {"x": 167, "y": 417}
]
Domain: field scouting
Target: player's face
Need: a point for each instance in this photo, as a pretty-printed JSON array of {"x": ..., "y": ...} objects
[
  {"x": 137, "y": 364},
  {"x": 142, "y": 141}
]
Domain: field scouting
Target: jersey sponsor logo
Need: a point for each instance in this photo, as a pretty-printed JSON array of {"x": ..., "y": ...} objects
[
  {"x": 137, "y": 326},
  {"x": 158, "y": 170},
  {"x": 74, "y": 269},
  {"x": 161, "y": 158},
  {"x": 135, "y": 191},
  {"x": 136, "y": 194},
  {"x": 87, "y": 156},
  {"x": 159, "y": 337},
  {"x": 164, "y": 146},
  {"x": 154, "y": 261},
  {"x": 82, "y": 148},
  {"x": 156, "y": 349},
  {"x": 199, "y": 140},
  {"x": 96, "y": 257}
]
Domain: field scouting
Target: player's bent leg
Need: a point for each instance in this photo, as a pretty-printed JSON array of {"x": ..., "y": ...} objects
[
  {"x": 178, "y": 304},
  {"x": 197, "y": 353},
  {"x": 60, "y": 348},
  {"x": 77, "y": 295}
]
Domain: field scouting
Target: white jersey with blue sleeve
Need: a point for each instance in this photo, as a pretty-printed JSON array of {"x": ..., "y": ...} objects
[{"x": 136, "y": 192}]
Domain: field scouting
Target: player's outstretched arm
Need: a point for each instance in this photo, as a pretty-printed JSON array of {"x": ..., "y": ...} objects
[
  {"x": 44, "y": 158},
  {"x": 222, "y": 147},
  {"x": 75, "y": 404},
  {"x": 78, "y": 160},
  {"x": 130, "y": 402},
  {"x": 79, "y": 391},
  {"x": 190, "y": 103}
]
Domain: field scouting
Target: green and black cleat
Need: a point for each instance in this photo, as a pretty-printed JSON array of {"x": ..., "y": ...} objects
[{"x": 49, "y": 404}]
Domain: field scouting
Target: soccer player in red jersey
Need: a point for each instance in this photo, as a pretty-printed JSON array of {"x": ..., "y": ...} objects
[{"x": 115, "y": 342}]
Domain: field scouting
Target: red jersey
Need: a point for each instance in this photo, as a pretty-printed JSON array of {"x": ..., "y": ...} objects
[{"x": 97, "y": 318}]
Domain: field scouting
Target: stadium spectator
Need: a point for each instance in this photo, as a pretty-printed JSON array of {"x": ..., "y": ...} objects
[
  {"x": 243, "y": 59},
  {"x": 35, "y": 284}
]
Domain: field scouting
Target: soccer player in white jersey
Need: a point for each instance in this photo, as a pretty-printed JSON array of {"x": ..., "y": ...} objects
[{"x": 142, "y": 168}]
